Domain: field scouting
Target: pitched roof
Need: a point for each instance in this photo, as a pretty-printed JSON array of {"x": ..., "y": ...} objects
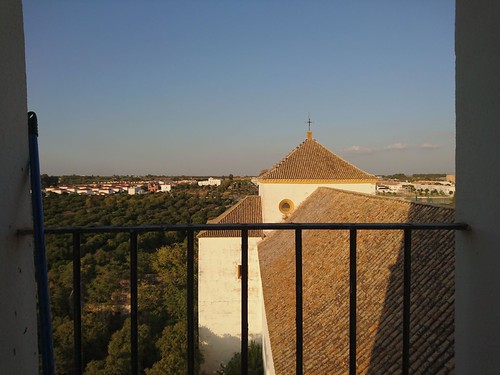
[
  {"x": 312, "y": 161},
  {"x": 248, "y": 210},
  {"x": 379, "y": 291}
]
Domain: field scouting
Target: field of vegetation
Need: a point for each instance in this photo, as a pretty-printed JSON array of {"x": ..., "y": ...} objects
[{"x": 105, "y": 274}]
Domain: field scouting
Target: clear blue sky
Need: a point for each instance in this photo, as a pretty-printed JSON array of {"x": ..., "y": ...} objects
[{"x": 219, "y": 87}]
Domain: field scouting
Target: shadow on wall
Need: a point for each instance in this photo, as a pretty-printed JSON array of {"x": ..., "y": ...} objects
[
  {"x": 217, "y": 350},
  {"x": 432, "y": 303}
]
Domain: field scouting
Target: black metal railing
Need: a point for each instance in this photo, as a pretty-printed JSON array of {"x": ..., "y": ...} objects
[{"x": 190, "y": 231}]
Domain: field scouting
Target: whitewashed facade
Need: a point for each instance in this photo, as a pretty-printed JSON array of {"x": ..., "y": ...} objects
[
  {"x": 274, "y": 193},
  {"x": 219, "y": 298},
  {"x": 210, "y": 182}
]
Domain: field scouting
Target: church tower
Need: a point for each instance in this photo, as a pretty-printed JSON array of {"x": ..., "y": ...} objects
[{"x": 309, "y": 166}]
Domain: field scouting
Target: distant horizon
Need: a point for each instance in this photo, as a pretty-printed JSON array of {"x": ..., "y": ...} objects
[{"x": 226, "y": 175}]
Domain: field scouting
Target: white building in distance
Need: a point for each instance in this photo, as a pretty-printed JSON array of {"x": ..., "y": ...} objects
[
  {"x": 133, "y": 190},
  {"x": 165, "y": 188},
  {"x": 210, "y": 182}
]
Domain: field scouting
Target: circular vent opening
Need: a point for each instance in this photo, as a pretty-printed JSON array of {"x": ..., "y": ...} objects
[{"x": 286, "y": 206}]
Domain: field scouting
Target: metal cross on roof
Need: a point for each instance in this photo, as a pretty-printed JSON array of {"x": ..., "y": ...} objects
[{"x": 309, "y": 122}]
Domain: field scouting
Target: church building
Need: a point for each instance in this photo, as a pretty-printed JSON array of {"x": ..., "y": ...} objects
[
  {"x": 282, "y": 189},
  {"x": 313, "y": 185}
]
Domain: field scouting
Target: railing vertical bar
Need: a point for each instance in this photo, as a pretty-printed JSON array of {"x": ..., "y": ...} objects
[
  {"x": 406, "y": 300},
  {"x": 77, "y": 306},
  {"x": 190, "y": 302},
  {"x": 299, "y": 335},
  {"x": 134, "y": 361},
  {"x": 244, "y": 301},
  {"x": 352, "y": 300}
]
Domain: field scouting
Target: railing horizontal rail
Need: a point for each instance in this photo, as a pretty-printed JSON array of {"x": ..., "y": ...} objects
[
  {"x": 253, "y": 226},
  {"x": 191, "y": 229}
]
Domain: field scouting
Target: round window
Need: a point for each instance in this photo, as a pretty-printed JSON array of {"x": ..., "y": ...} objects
[{"x": 286, "y": 206}]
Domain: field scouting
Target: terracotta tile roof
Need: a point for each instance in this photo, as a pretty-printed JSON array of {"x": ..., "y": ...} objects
[
  {"x": 312, "y": 161},
  {"x": 248, "y": 210},
  {"x": 379, "y": 298}
]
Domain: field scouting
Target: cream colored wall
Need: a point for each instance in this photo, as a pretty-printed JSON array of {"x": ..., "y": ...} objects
[
  {"x": 272, "y": 194},
  {"x": 219, "y": 298},
  {"x": 18, "y": 326}
]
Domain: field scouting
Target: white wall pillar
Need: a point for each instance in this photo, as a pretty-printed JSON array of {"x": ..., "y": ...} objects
[
  {"x": 18, "y": 329},
  {"x": 478, "y": 165}
]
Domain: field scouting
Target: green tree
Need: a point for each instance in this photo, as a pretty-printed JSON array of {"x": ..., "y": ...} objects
[
  {"x": 255, "y": 363},
  {"x": 98, "y": 326},
  {"x": 105, "y": 271},
  {"x": 398, "y": 176},
  {"x": 169, "y": 263},
  {"x": 47, "y": 180},
  {"x": 118, "y": 360},
  {"x": 63, "y": 344},
  {"x": 173, "y": 351}
]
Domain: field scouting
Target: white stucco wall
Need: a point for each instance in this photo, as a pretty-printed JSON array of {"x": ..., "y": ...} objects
[
  {"x": 272, "y": 194},
  {"x": 18, "y": 328},
  {"x": 219, "y": 298},
  {"x": 477, "y": 301}
]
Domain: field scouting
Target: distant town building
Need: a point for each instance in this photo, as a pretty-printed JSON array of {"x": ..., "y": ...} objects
[
  {"x": 133, "y": 190},
  {"x": 446, "y": 188},
  {"x": 118, "y": 189},
  {"x": 165, "y": 188},
  {"x": 55, "y": 190},
  {"x": 84, "y": 190},
  {"x": 210, "y": 182},
  {"x": 186, "y": 182},
  {"x": 153, "y": 187},
  {"x": 391, "y": 186}
]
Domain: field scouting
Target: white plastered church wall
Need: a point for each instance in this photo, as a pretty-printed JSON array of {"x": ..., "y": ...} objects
[
  {"x": 273, "y": 193},
  {"x": 219, "y": 298}
]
